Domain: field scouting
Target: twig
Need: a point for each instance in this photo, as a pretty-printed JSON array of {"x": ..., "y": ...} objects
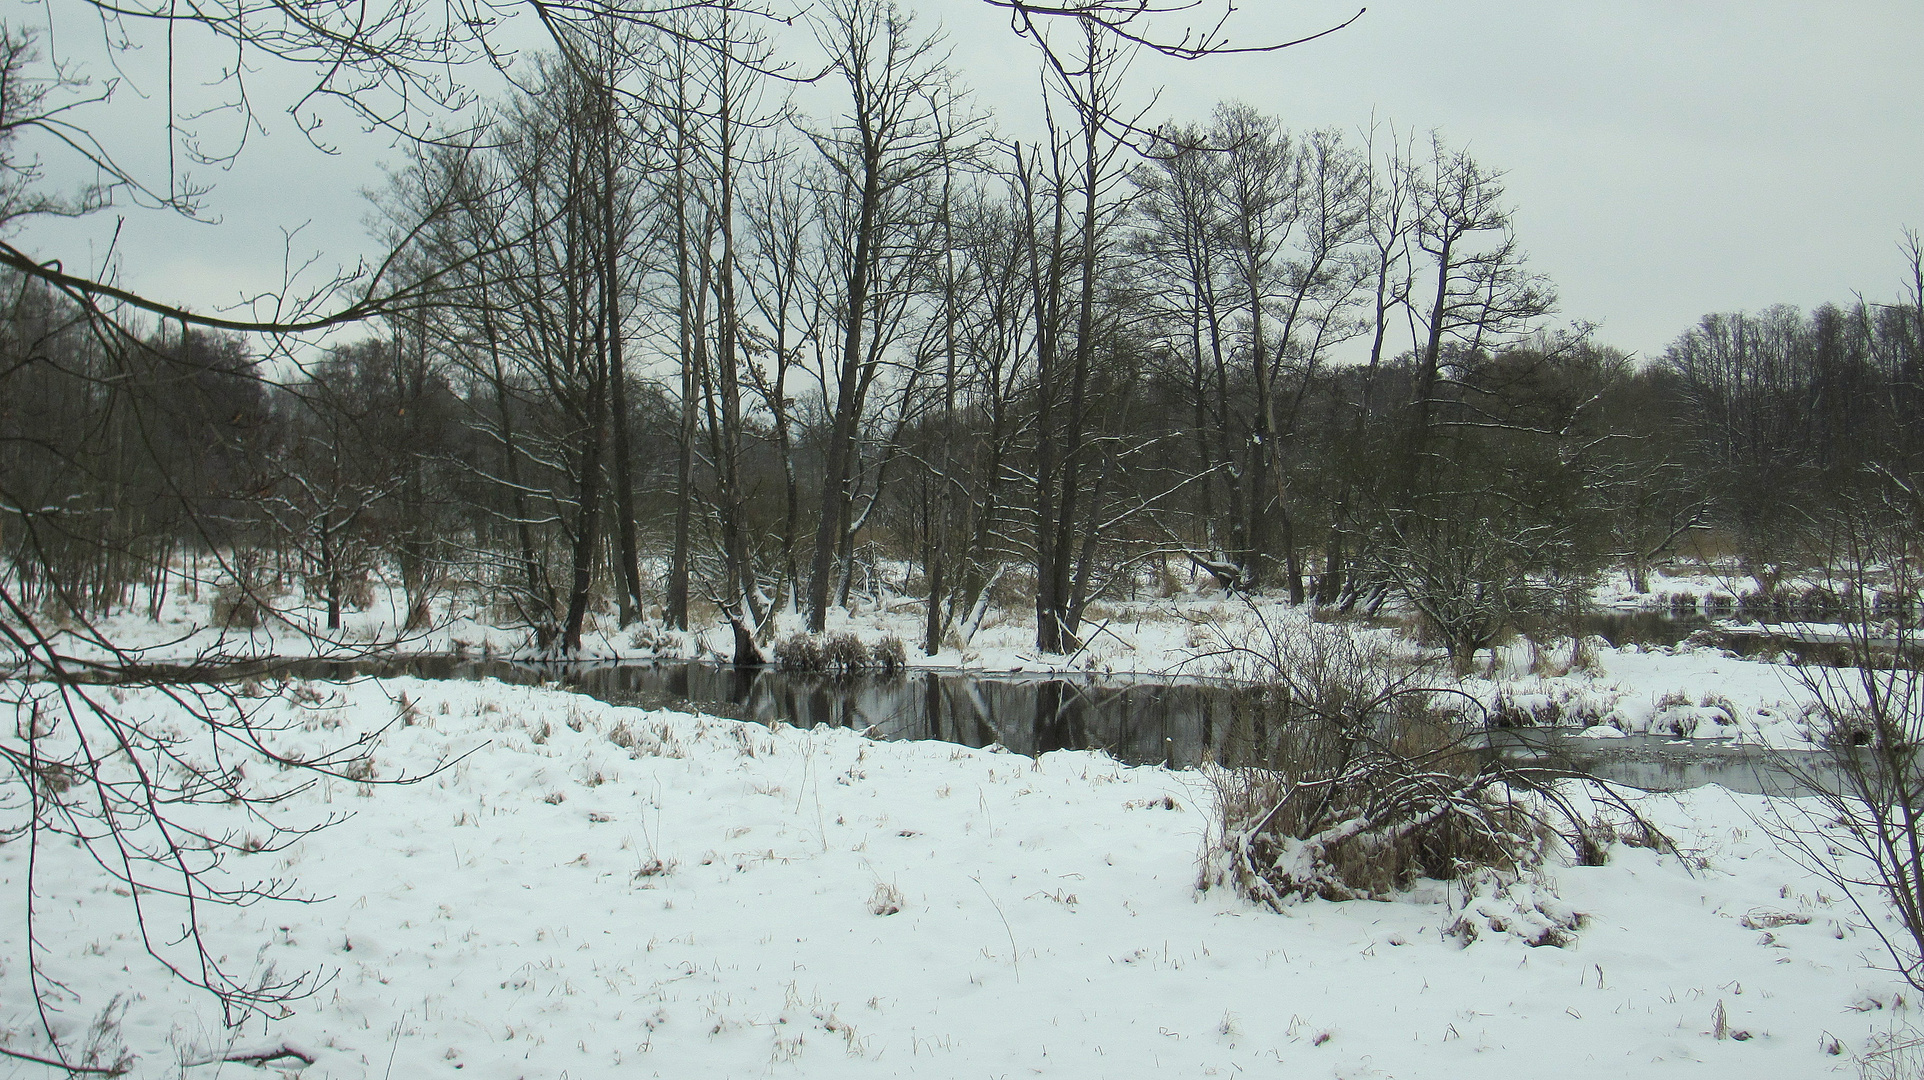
[{"x": 1015, "y": 955}]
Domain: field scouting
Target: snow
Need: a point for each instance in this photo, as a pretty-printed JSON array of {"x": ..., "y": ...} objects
[
  {"x": 1684, "y": 691},
  {"x": 589, "y": 890}
]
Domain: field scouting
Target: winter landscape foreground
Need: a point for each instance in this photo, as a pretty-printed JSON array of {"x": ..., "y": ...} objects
[{"x": 585, "y": 890}]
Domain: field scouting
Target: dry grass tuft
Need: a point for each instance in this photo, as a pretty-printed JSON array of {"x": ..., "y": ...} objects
[
  {"x": 1892, "y": 1055},
  {"x": 885, "y": 900},
  {"x": 840, "y": 653}
]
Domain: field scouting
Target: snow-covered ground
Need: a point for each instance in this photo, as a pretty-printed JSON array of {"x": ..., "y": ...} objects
[
  {"x": 593, "y": 891},
  {"x": 1686, "y": 691}
]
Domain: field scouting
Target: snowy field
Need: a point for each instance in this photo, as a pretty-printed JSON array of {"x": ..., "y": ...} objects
[{"x": 591, "y": 891}]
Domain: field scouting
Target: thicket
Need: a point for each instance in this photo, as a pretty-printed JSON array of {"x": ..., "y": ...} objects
[{"x": 1356, "y": 774}]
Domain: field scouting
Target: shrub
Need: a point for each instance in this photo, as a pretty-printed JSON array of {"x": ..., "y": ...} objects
[
  {"x": 1364, "y": 783},
  {"x": 843, "y": 653},
  {"x": 799, "y": 652},
  {"x": 840, "y": 653},
  {"x": 886, "y": 900},
  {"x": 245, "y": 601},
  {"x": 236, "y": 608},
  {"x": 1169, "y": 583},
  {"x": 1758, "y": 604},
  {"x": 356, "y": 583},
  {"x": 1893, "y": 604},
  {"x": 1820, "y": 601},
  {"x": 1014, "y": 590},
  {"x": 652, "y": 636},
  {"x": 1892, "y": 1055},
  {"x": 1342, "y": 817},
  {"x": 888, "y": 655},
  {"x": 1858, "y": 826},
  {"x": 1533, "y": 710}
]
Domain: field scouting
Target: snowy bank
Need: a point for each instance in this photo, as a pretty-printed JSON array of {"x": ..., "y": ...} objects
[{"x": 595, "y": 891}]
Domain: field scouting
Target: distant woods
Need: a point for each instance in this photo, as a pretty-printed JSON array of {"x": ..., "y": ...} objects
[{"x": 689, "y": 357}]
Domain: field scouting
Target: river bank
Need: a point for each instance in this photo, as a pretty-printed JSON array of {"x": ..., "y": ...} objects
[{"x": 590, "y": 889}]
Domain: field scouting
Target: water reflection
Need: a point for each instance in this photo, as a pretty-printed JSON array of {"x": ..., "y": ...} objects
[
  {"x": 1646, "y": 626},
  {"x": 1660, "y": 763},
  {"x": 1141, "y": 721}
]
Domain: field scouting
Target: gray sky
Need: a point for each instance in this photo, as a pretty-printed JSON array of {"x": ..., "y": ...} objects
[{"x": 1666, "y": 158}]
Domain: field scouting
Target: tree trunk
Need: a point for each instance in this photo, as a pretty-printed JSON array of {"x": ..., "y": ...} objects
[
  {"x": 841, "y": 441},
  {"x": 687, "y": 330},
  {"x": 628, "y": 554}
]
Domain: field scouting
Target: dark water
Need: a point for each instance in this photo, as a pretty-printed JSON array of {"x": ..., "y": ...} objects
[
  {"x": 1660, "y": 763},
  {"x": 1792, "y": 642},
  {"x": 1643, "y": 627},
  {"x": 1140, "y": 720}
]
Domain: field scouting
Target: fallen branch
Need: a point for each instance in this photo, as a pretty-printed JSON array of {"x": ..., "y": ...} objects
[
  {"x": 259, "y": 1058},
  {"x": 117, "y": 1069}
]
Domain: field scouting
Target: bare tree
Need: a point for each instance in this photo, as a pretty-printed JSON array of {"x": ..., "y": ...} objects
[
  {"x": 1181, "y": 233},
  {"x": 1084, "y": 165},
  {"x": 785, "y": 232},
  {"x": 890, "y": 140},
  {"x": 1258, "y": 182},
  {"x": 1389, "y": 221},
  {"x": 1748, "y": 380},
  {"x": 1482, "y": 293},
  {"x": 336, "y": 472},
  {"x": 996, "y": 339}
]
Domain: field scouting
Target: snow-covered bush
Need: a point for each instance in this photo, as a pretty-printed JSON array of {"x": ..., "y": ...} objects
[
  {"x": 1341, "y": 815},
  {"x": 1361, "y": 779},
  {"x": 653, "y": 636},
  {"x": 888, "y": 655},
  {"x": 243, "y": 600},
  {"x": 886, "y": 900},
  {"x": 1506, "y": 904},
  {"x": 1355, "y": 782}
]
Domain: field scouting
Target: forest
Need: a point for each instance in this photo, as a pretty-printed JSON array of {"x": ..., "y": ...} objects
[{"x": 671, "y": 351}]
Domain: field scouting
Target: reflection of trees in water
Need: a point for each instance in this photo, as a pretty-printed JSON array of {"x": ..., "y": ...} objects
[
  {"x": 1059, "y": 721},
  {"x": 1140, "y": 722}
]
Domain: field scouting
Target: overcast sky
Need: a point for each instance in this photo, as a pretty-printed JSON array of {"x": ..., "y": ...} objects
[{"x": 1665, "y": 158}]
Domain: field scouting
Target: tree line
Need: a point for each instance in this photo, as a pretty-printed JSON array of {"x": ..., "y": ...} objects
[{"x": 685, "y": 350}]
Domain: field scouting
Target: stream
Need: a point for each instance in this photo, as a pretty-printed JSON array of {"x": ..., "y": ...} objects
[
  {"x": 1138, "y": 719},
  {"x": 1180, "y": 722}
]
